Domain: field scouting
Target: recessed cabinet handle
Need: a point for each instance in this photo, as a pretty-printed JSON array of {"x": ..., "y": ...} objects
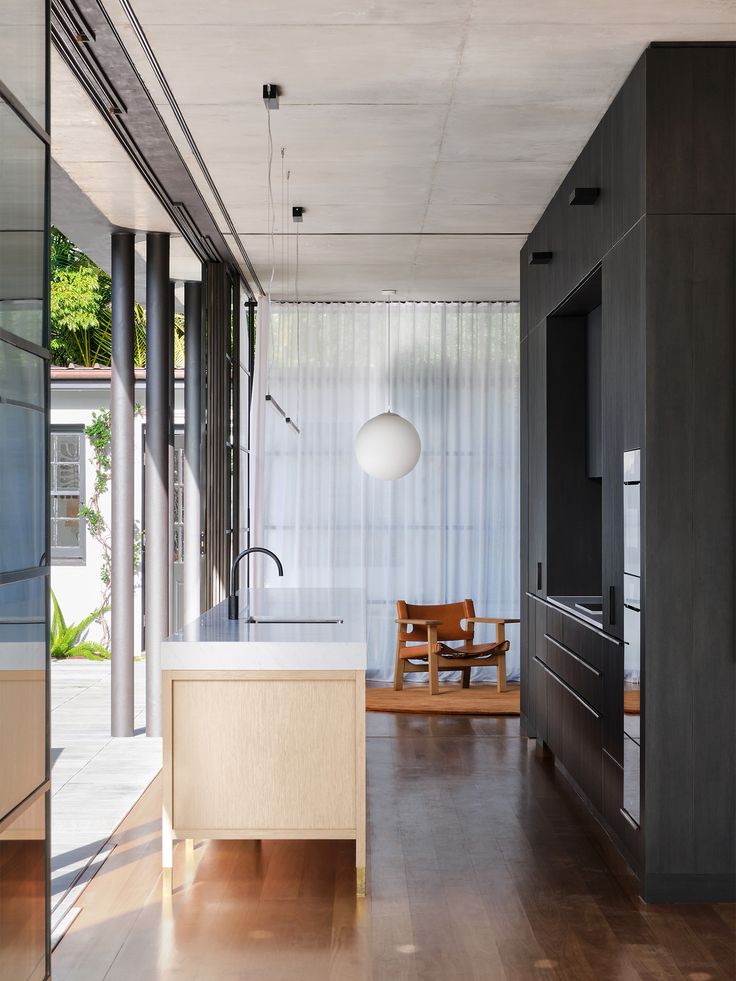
[
  {"x": 539, "y": 575},
  {"x": 611, "y": 605}
]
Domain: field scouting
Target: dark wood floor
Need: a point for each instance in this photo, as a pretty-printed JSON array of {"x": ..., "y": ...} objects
[{"x": 482, "y": 865}]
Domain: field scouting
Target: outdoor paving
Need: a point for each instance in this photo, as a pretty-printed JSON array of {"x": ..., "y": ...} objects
[{"x": 95, "y": 779}]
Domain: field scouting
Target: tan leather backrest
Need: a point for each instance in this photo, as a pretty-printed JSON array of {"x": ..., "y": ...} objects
[{"x": 451, "y": 616}]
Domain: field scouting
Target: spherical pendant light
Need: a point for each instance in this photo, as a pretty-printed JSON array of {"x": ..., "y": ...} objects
[{"x": 387, "y": 446}]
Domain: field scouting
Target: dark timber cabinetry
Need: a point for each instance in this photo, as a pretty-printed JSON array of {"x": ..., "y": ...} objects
[{"x": 652, "y": 262}]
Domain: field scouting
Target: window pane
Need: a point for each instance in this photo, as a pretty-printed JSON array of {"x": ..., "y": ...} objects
[
  {"x": 67, "y": 506},
  {"x": 67, "y": 446},
  {"x": 22, "y": 53},
  {"x": 22, "y": 237},
  {"x": 67, "y": 534},
  {"x": 67, "y": 476},
  {"x": 22, "y": 487},
  {"x": 22, "y": 375}
]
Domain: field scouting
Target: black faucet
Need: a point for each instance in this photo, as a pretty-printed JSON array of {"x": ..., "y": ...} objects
[{"x": 232, "y": 600}]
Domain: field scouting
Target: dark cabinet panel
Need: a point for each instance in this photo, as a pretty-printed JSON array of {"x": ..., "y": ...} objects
[
  {"x": 538, "y": 678},
  {"x": 573, "y": 499},
  {"x": 537, "y": 372},
  {"x": 690, "y": 672},
  {"x": 629, "y": 835},
  {"x": 613, "y": 701},
  {"x": 663, "y": 230},
  {"x": 585, "y": 641},
  {"x": 523, "y": 291},
  {"x": 541, "y": 278},
  {"x": 586, "y": 680},
  {"x": 524, "y": 467},
  {"x": 574, "y": 735},
  {"x": 528, "y": 649},
  {"x": 622, "y": 398},
  {"x": 623, "y": 158},
  {"x": 691, "y": 137},
  {"x": 581, "y": 236}
]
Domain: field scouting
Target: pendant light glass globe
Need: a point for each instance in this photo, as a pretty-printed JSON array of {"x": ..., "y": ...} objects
[{"x": 388, "y": 446}]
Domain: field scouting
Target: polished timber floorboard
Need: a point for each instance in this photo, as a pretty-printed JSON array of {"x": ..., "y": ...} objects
[{"x": 482, "y": 865}]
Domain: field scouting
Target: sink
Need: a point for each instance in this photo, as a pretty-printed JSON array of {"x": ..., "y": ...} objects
[{"x": 293, "y": 620}]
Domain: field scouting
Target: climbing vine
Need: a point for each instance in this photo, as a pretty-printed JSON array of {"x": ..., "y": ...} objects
[{"x": 99, "y": 434}]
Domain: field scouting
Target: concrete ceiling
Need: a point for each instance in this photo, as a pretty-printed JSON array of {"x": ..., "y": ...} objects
[
  {"x": 95, "y": 188},
  {"x": 424, "y": 137}
]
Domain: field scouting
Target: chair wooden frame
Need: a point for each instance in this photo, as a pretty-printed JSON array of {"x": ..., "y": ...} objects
[{"x": 426, "y": 631}]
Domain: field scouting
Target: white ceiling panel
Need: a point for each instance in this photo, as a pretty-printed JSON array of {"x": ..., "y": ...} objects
[
  {"x": 246, "y": 13},
  {"x": 424, "y": 138},
  {"x": 343, "y": 64}
]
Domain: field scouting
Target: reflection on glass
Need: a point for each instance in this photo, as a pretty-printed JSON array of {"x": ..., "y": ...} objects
[
  {"x": 23, "y": 53},
  {"x": 23, "y": 895},
  {"x": 22, "y": 487},
  {"x": 632, "y": 634},
  {"x": 22, "y": 691},
  {"x": 22, "y": 376},
  {"x": 22, "y": 219}
]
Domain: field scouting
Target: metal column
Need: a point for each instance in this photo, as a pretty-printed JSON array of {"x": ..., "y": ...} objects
[
  {"x": 192, "y": 450},
  {"x": 158, "y": 326},
  {"x": 122, "y": 406}
]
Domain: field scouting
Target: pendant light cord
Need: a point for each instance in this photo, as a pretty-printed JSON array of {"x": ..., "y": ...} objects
[
  {"x": 271, "y": 211},
  {"x": 269, "y": 224},
  {"x": 388, "y": 350},
  {"x": 298, "y": 332}
]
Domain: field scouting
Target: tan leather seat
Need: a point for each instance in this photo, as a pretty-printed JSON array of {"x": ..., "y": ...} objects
[{"x": 423, "y": 635}]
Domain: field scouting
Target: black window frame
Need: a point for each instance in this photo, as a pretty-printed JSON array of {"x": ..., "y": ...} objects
[{"x": 69, "y": 556}]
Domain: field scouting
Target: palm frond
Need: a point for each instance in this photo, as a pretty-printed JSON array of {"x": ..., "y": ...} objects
[
  {"x": 90, "y": 650},
  {"x": 58, "y": 615},
  {"x": 82, "y": 625}
]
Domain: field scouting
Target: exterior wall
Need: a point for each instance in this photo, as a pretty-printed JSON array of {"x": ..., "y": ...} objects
[{"x": 78, "y": 588}]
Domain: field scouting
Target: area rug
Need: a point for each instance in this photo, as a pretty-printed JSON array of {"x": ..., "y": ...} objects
[{"x": 452, "y": 700}]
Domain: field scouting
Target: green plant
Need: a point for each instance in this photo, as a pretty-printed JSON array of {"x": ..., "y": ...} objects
[
  {"x": 68, "y": 640},
  {"x": 81, "y": 314},
  {"x": 98, "y": 433}
]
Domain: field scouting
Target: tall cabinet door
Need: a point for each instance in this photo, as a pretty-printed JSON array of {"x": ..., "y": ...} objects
[
  {"x": 622, "y": 386},
  {"x": 537, "y": 462}
]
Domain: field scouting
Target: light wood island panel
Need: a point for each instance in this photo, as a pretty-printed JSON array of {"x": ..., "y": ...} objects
[{"x": 264, "y": 755}]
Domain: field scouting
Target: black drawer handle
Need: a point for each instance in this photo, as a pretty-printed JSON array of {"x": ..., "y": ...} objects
[
  {"x": 611, "y": 605},
  {"x": 539, "y": 575},
  {"x": 573, "y": 655},
  {"x": 567, "y": 688}
]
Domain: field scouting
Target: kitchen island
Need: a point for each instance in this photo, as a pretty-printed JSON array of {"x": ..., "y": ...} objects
[{"x": 264, "y": 721}]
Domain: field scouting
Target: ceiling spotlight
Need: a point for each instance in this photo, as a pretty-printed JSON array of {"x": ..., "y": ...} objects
[
  {"x": 297, "y": 213},
  {"x": 271, "y": 93}
]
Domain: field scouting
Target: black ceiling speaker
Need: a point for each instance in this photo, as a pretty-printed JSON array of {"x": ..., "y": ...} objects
[
  {"x": 584, "y": 195},
  {"x": 540, "y": 258}
]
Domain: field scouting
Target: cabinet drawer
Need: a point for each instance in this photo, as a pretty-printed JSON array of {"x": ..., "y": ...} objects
[
  {"x": 581, "y": 676},
  {"x": 580, "y": 639},
  {"x": 574, "y": 734}
]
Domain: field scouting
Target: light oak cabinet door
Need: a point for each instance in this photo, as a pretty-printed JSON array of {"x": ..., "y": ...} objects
[{"x": 276, "y": 755}]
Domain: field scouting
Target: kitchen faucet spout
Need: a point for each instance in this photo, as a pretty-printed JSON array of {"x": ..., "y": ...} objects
[{"x": 232, "y": 600}]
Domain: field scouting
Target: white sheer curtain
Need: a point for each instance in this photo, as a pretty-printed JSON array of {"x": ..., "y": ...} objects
[{"x": 448, "y": 530}]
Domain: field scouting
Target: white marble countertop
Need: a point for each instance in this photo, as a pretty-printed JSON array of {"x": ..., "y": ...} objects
[{"x": 213, "y": 642}]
